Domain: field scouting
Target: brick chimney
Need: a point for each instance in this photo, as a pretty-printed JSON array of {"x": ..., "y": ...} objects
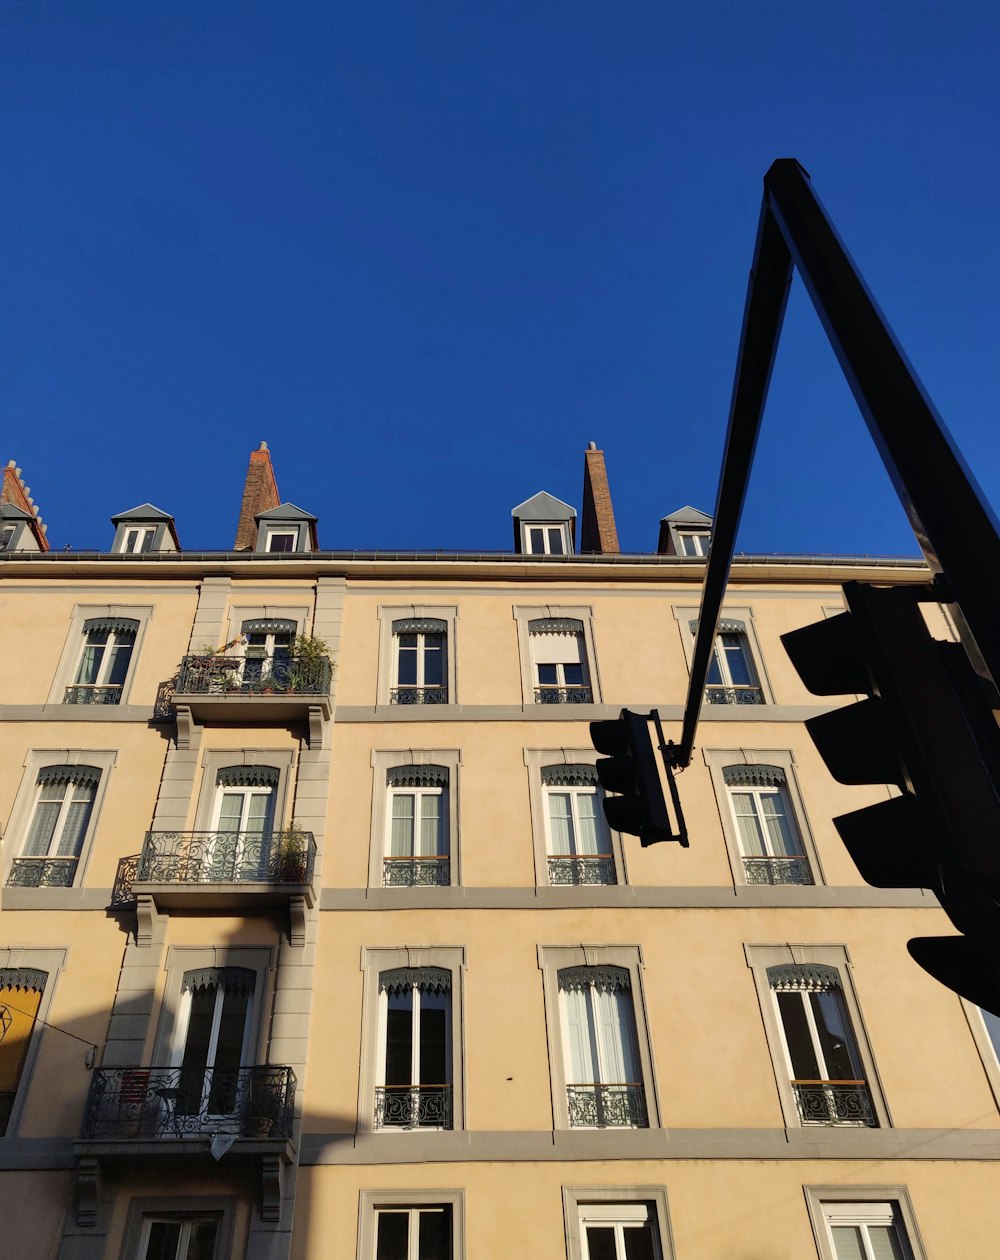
[
  {"x": 260, "y": 494},
  {"x": 597, "y": 528},
  {"x": 17, "y": 494}
]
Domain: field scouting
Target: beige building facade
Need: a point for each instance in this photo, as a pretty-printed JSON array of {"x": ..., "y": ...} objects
[{"x": 314, "y": 941}]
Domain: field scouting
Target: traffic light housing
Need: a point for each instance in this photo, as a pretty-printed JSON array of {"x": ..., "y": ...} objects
[
  {"x": 928, "y": 727},
  {"x": 630, "y": 770}
]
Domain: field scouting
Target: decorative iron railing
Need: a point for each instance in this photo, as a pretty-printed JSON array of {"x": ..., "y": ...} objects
[
  {"x": 178, "y": 1102},
  {"x": 227, "y": 857},
  {"x": 87, "y": 693},
  {"x": 564, "y": 695},
  {"x": 733, "y": 695},
  {"x": 418, "y": 695},
  {"x": 607, "y": 1106},
  {"x": 413, "y": 1107},
  {"x": 777, "y": 870},
  {"x": 419, "y": 872},
  {"x": 42, "y": 872},
  {"x": 834, "y": 1102},
  {"x": 582, "y": 868},
  {"x": 122, "y": 893},
  {"x": 253, "y": 676}
]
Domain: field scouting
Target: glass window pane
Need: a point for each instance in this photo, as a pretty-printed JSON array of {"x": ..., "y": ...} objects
[
  {"x": 847, "y": 1242},
  {"x": 42, "y": 826},
  {"x": 560, "y": 823},
  {"x": 433, "y": 1041},
  {"x": 401, "y": 834},
  {"x": 884, "y": 1242},
  {"x": 784, "y": 840},
  {"x": 435, "y": 1236},
  {"x": 714, "y": 669},
  {"x": 392, "y": 1236},
  {"x": 399, "y": 1039},
  {"x": 748, "y": 824},
  {"x": 590, "y": 833},
  {"x": 407, "y": 667},
  {"x": 638, "y": 1243},
  {"x": 75, "y": 826},
  {"x": 834, "y": 1036},
  {"x": 574, "y": 675},
  {"x": 601, "y": 1242},
  {"x": 536, "y": 541},
  {"x": 619, "y": 1061},
  {"x": 581, "y": 1047},
  {"x": 164, "y": 1237},
  {"x": 797, "y": 1038},
  {"x": 433, "y": 660},
  {"x": 202, "y": 1244},
  {"x": 735, "y": 649},
  {"x": 547, "y": 676},
  {"x": 555, "y": 542},
  {"x": 121, "y": 654},
  {"x": 93, "y": 654},
  {"x": 431, "y": 830},
  {"x": 231, "y": 811}
]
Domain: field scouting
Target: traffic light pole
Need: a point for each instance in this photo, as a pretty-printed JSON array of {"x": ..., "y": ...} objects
[{"x": 954, "y": 525}]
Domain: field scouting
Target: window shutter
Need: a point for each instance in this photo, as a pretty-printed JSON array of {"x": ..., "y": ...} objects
[
  {"x": 270, "y": 625},
  {"x": 803, "y": 977},
  {"x": 248, "y": 776},
  {"x": 555, "y": 625},
  {"x": 420, "y": 625},
  {"x": 557, "y": 649},
  {"x": 229, "y": 979},
  {"x": 111, "y": 625},
  {"x": 417, "y": 776},
  {"x": 603, "y": 979},
  {"x": 569, "y": 776},
  {"x": 86, "y": 775},
  {"x": 426, "y": 979},
  {"x": 26, "y": 978},
  {"x": 753, "y": 776}
]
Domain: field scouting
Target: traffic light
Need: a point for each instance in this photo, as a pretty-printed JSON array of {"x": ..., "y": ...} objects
[
  {"x": 927, "y": 726},
  {"x": 631, "y": 770}
]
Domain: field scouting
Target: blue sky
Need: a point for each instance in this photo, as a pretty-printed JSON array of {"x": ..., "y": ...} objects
[{"x": 429, "y": 250}]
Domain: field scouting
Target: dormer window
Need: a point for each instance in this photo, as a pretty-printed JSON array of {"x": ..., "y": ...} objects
[
  {"x": 544, "y": 526},
  {"x": 282, "y": 540},
  {"x": 286, "y": 529},
  {"x": 138, "y": 540},
  {"x": 687, "y": 532},
  {"x": 693, "y": 542},
  {"x": 7, "y": 537},
  {"x": 143, "y": 530}
]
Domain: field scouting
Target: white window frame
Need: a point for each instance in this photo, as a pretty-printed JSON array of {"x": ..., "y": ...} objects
[
  {"x": 524, "y": 614},
  {"x": 536, "y": 760},
  {"x": 209, "y": 796},
  {"x": 601, "y": 1052},
  {"x": 371, "y": 1202},
  {"x": 442, "y": 853},
  {"x": 186, "y": 1221},
  {"x": 686, "y": 616},
  {"x": 27, "y": 798},
  {"x": 184, "y": 1208},
  {"x": 605, "y": 853},
  {"x": 374, "y": 961},
  {"x": 389, "y": 652},
  {"x": 613, "y": 1204},
  {"x": 419, "y": 1000},
  {"x": 66, "y": 798},
  {"x": 760, "y": 958},
  {"x": 274, "y": 532},
  {"x": 718, "y": 761},
  {"x": 867, "y": 1204},
  {"x": 555, "y": 958},
  {"x": 384, "y": 760},
  {"x": 137, "y": 540},
  {"x": 756, "y": 795},
  {"x": 76, "y": 642},
  {"x": 699, "y": 538},
  {"x": 421, "y": 659},
  {"x": 548, "y": 528},
  {"x": 113, "y": 641}
]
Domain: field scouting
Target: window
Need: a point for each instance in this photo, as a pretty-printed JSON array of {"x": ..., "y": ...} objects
[
  {"x": 545, "y": 540},
  {"x": 63, "y": 807},
  {"x": 7, "y": 537},
  {"x": 239, "y": 847},
  {"x": 866, "y": 1231},
  {"x": 769, "y": 840},
  {"x": 416, "y": 843},
  {"x": 282, "y": 539},
  {"x": 603, "y": 1080},
  {"x": 578, "y": 849},
  {"x": 21, "y": 992},
  {"x": 559, "y": 662},
  {"x": 618, "y": 1231},
  {"x": 826, "y": 1073},
  {"x": 139, "y": 540},
  {"x": 267, "y": 646},
  {"x": 173, "y": 1237},
  {"x": 731, "y": 676},
  {"x": 420, "y": 671},
  {"x": 414, "y": 1089},
  {"x": 693, "y": 542},
  {"x": 413, "y": 1233},
  {"x": 211, "y": 1044},
  {"x": 107, "y": 654}
]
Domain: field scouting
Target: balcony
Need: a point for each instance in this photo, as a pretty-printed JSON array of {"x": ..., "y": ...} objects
[
  {"x": 161, "y": 1105},
  {"x": 733, "y": 695},
  {"x": 777, "y": 870},
  {"x": 413, "y": 1107},
  {"x": 87, "y": 693},
  {"x": 835, "y": 1102},
  {"x": 582, "y": 868},
  {"x": 213, "y": 870},
  {"x": 564, "y": 695},
  {"x": 261, "y": 688},
  {"x": 416, "y": 872},
  {"x": 418, "y": 695},
  {"x": 597, "y": 1106},
  {"x": 42, "y": 872}
]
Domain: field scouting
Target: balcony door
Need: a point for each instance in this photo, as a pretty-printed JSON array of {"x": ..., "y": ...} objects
[
  {"x": 240, "y": 845},
  {"x": 603, "y": 1075},
  {"x": 211, "y": 1043},
  {"x": 267, "y": 652}
]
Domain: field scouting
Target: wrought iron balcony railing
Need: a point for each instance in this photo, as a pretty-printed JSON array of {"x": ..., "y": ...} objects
[
  {"x": 777, "y": 870},
  {"x": 582, "y": 868},
  {"x": 835, "y": 1102},
  {"x": 597, "y": 1106},
  {"x": 733, "y": 695},
  {"x": 227, "y": 857},
  {"x": 413, "y": 1107},
  {"x": 418, "y": 695},
  {"x": 176, "y": 1102},
  {"x": 87, "y": 693},
  {"x": 42, "y": 872},
  {"x": 253, "y": 676},
  {"x": 564, "y": 695},
  {"x": 418, "y": 872}
]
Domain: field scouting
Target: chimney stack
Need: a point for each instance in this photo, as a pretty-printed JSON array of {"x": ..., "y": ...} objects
[
  {"x": 260, "y": 494},
  {"x": 597, "y": 527}
]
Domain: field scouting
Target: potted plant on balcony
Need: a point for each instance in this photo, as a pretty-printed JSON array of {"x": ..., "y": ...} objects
[
  {"x": 293, "y": 860},
  {"x": 306, "y": 657}
]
